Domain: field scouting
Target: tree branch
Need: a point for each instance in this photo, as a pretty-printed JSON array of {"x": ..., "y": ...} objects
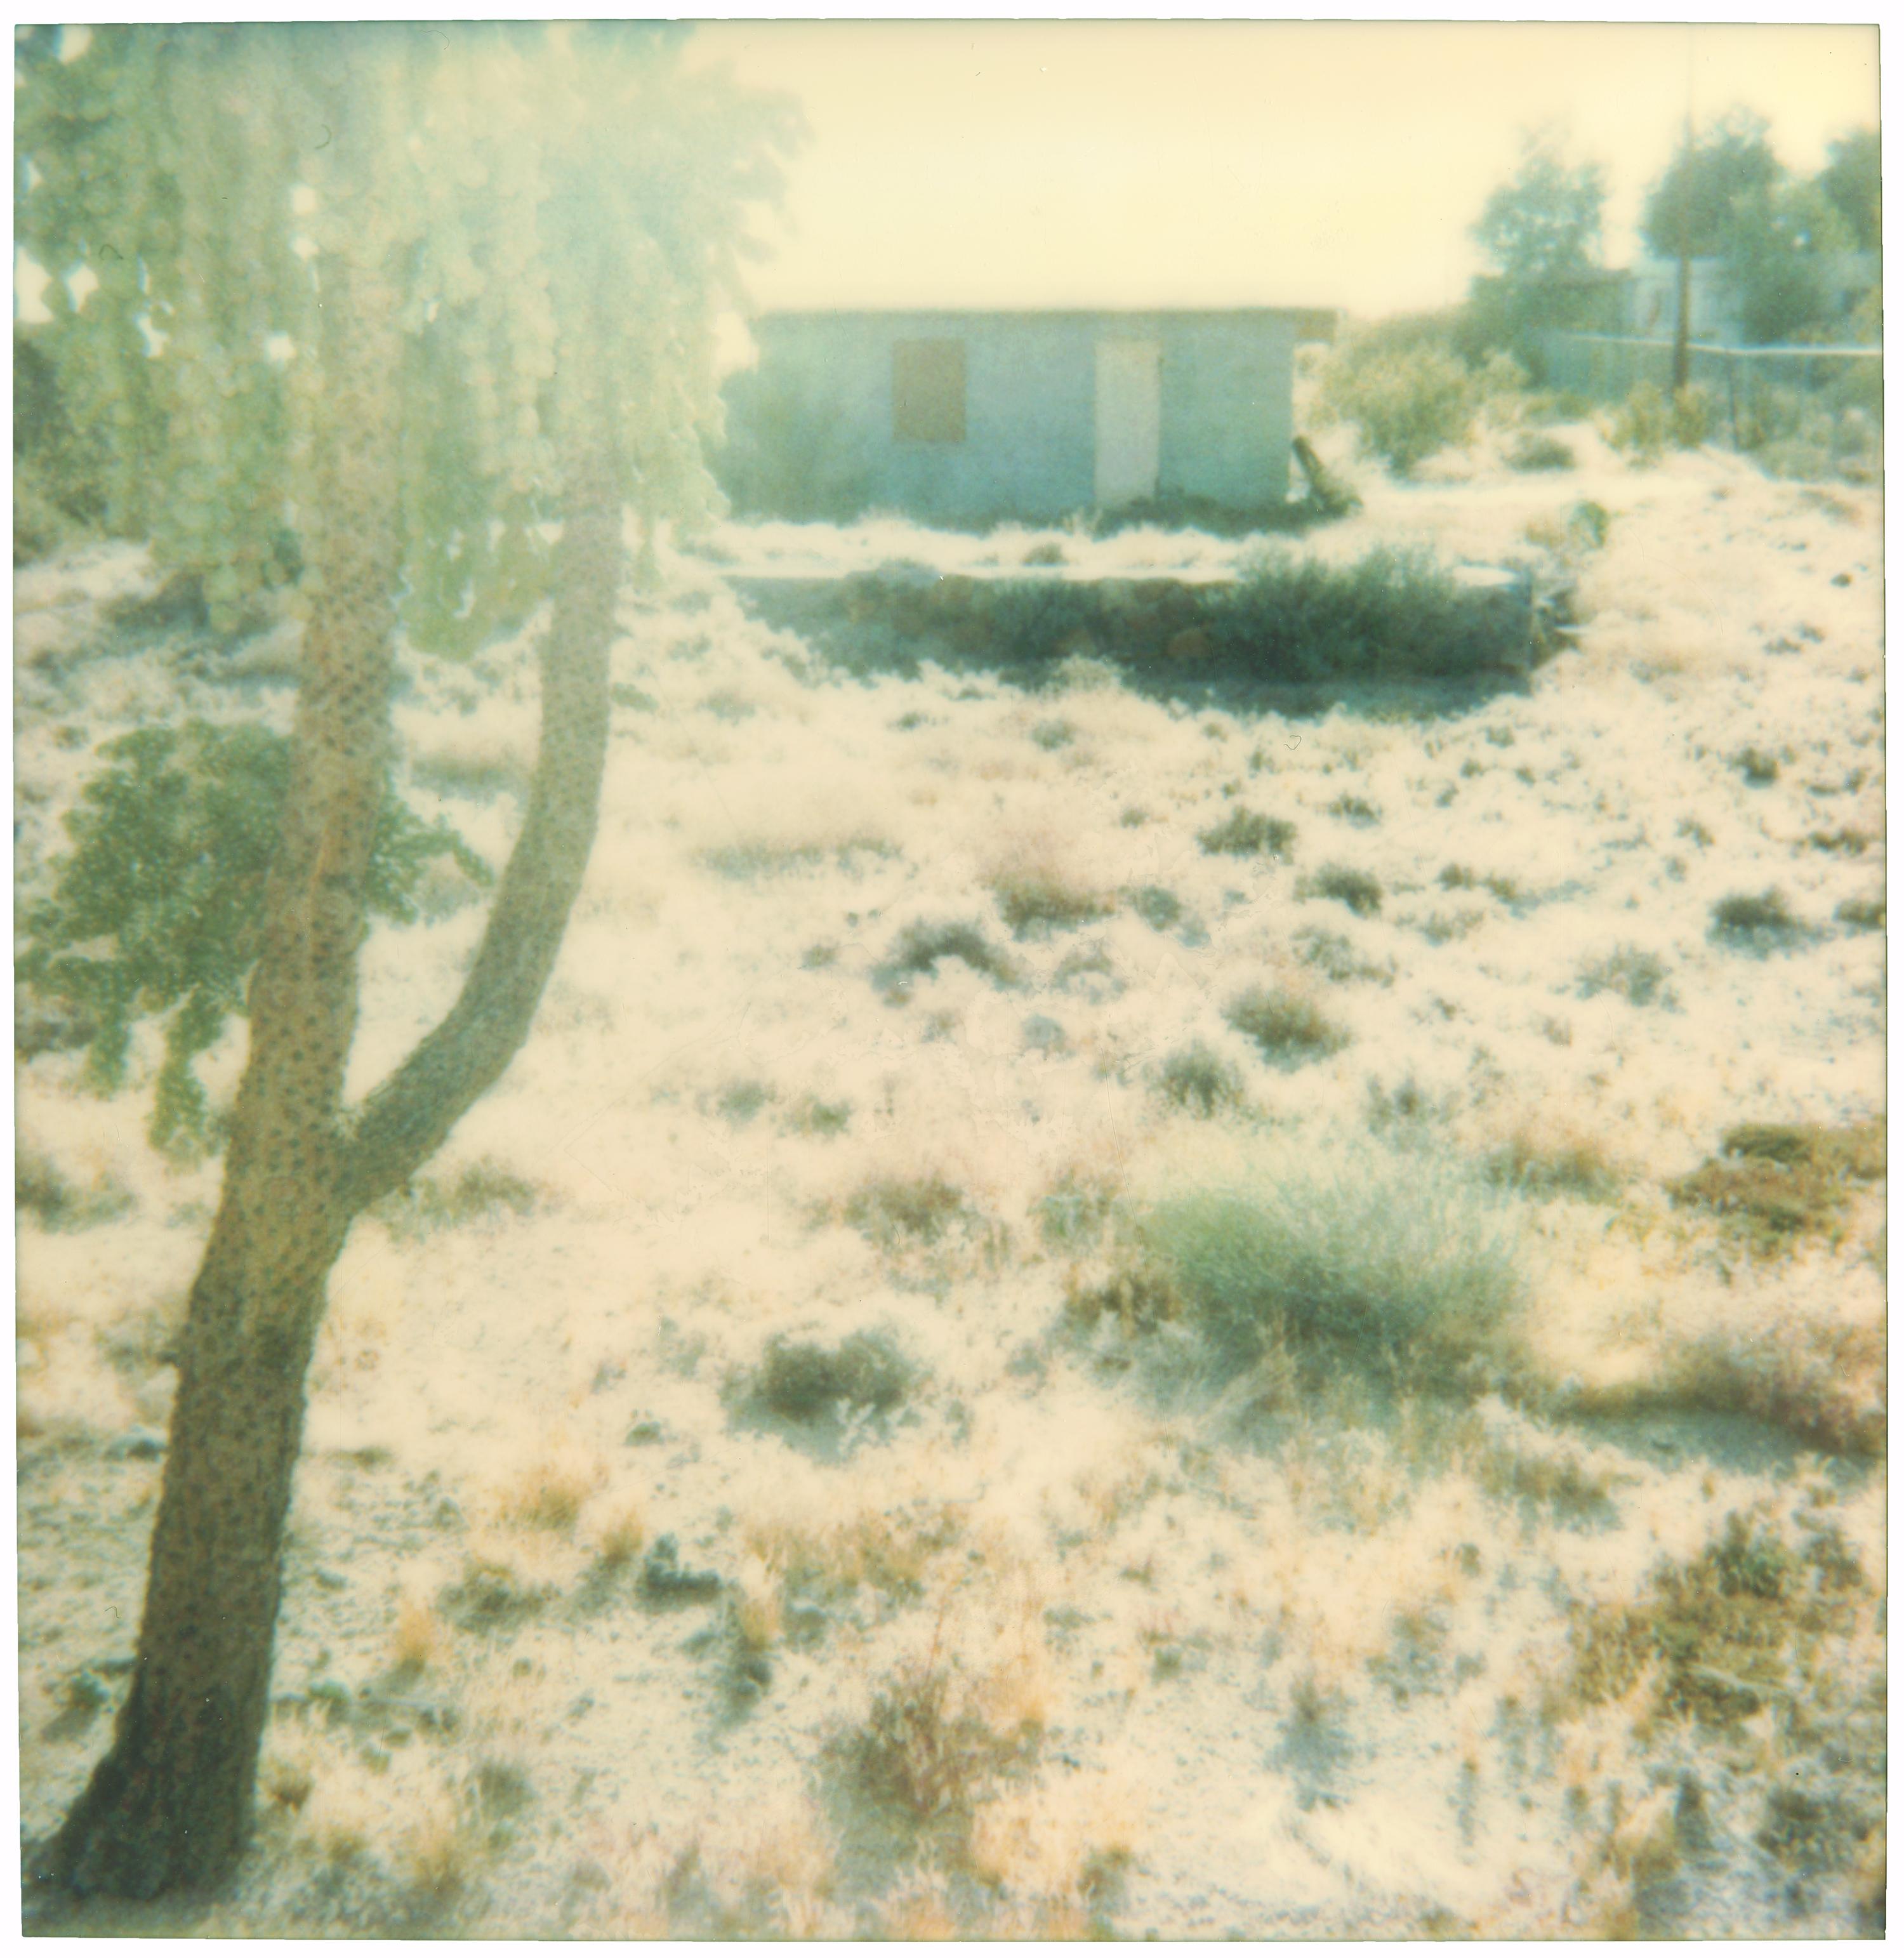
[{"x": 407, "y": 1118}]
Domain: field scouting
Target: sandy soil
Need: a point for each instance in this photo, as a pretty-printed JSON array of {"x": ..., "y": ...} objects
[{"x": 1009, "y": 1614}]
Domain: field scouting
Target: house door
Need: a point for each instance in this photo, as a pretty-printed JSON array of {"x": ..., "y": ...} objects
[{"x": 1130, "y": 419}]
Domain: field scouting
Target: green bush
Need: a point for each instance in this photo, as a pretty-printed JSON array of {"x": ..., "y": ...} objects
[
  {"x": 1694, "y": 416},
  {"x": 1393, "y": 614},
  {"x": 1533, "y": 452},
  {"x": 1640, "y": 426},
  {"x": 1405, "y": 405},
  {"x": 1378, "y": 1247},
  {"x": 158, "y": 909},
  {"x": 1289, "y": 1029}
]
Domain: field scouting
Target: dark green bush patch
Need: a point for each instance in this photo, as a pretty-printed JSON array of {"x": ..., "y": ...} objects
[
  {"x": 889, "y": 1209},
  {"x": 1159, "y": 908},
  {"x": 1353, "y": 809},
  {"x": 1843, "y": 841},
  {"x": 1036, "y": 901},
  {"x": 1759, "y": 768},
  {"x": 1759, "y": 922},
  {"x": 1337, "y": 959},
  {"x": 426, "y": 1204},
  {"x": 1288, "y": 1029},
  {"x": 1356, "y": 889},
  {"x": 42, "y": 1190},
  {"x": 920, "y": 946},
  {"x": 1533, "y": 452},
  {"x": 800, "y": 1381},
  {"x": 1244, "y": 832},
  {"x": 1197, "y": 1079},
  {"x": 1861, "y": 913},
  {"x": 1774, "y": 1183},
  {"x": 159, "y": 908}
]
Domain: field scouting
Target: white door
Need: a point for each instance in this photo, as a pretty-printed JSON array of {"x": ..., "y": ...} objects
[{"x": 1130, "y": 419}]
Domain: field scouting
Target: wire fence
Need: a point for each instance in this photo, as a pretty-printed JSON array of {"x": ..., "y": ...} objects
[{"x": 1608, "y": 366}]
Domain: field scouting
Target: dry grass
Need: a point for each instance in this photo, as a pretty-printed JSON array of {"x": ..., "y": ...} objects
[{"x": 1773, "y": 1183}]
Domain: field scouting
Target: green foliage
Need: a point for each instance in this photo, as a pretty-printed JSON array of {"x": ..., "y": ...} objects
[
  {"x": 1853, "y": 179},
  {"x": 1774, "y": 240},
  {"x": 429, "y": 1204},
  {"x": 1688, "y": 209},
  {"x": 1379, "y": 1248},
  {"x": 1647, "y": 421},
  {"x": 1247, "y": 832},
  {"x": 1533, "y": 452},
  {"x": 559, "y": 205},
  {"x": 1393, "y": 614},
  {"x": 1545, "y": 222},
  {"x": 1405, "y": 405},
  {"x": 158, "y": 909},
  {"x": 1288, "y": 1029},
  {"x": 787, "y": 455},
  {"x": 1358, "y": 889},
  {"x": 1200, "y": 1079}
]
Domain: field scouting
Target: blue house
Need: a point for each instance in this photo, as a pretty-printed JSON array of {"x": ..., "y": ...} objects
[{"x": 967, "y": 417}]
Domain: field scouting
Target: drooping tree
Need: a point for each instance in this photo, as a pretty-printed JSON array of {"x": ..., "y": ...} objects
[{"x": 385, "y": 305}]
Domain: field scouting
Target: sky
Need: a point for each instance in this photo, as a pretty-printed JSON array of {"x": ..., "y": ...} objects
[{"x": 1231, "y": 162}]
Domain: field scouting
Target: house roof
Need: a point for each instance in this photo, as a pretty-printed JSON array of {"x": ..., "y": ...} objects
[{"x": 1311, "y": 322}]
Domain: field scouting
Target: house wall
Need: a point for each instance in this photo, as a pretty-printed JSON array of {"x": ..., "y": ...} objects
[{"x": 1030, "y": 445}]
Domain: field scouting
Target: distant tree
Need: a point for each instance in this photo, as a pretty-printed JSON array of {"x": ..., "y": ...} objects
[
  {"x": 1690, "y": 205},
  {"x": 1772, "y": 246},
  {"x": 1545, "y": 222},
  {"x": 1853, "y": 179},
  {"x": 419, "y": 298}
]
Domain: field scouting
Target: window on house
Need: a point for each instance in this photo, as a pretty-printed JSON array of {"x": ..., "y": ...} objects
[{"x": 929, "y": 391}]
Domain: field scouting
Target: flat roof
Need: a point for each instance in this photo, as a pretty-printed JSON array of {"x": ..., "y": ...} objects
[{"x": 1311, "y": 322}]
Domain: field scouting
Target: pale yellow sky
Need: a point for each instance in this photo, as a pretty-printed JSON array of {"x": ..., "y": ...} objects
[{"x": 1228, "y": 162}]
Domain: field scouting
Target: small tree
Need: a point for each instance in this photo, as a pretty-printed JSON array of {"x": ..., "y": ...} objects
[
  {"x": 417, "y": 297},
  {"x": 1853, "y": 179},
  {"x": 1544, "y": 223},
  {"x": 1690, "y": 207}
]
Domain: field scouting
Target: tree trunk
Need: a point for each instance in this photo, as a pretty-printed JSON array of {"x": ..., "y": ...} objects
[
  {"x": 171, "y": 1803},
  {"x": 170, "y": 1806}
]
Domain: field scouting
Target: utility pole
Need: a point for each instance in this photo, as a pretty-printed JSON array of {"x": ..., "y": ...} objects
[{"x": 1682, "y": 336}]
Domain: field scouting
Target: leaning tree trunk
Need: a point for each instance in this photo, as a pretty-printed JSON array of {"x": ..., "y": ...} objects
[{"x": 170, "y": 1806}]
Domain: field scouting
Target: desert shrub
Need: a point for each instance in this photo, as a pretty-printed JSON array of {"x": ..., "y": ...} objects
[
  {"x": 1760, "y": 769},
  {"x": 1532, "y": 453},
  {"x": 1760, "y": 922},
  {"x": 1502, "y": 384},
  {"x": 1337, "y": 959},
  {"x": 1288, "y": 1029},
  {"x": 1639, "y": 976},
  {"x": 923, "y": 1748},
  {"x": 1861, "y": 913},
  {"x": 1197, "y": 1078},
  {"x": 426, "y": 1204},
  {"x": 1773, "y": 1183},
  {"x": 159, "y": 908},
  {"x": 920, "y": 946},
  {"x": 1362, "y": 892},
  {"x": 1379, "y": 1248},
  {"x": 1558, "y": 1165},
  {"x": 43, "y": 1189},
  {"x": 801, "y": 1381},
  {"x": 1693, "y": 416},
  {"x": 1822, "y": 1381},
  {"x": 1588, "y": 524},
  {"x": 1356, "y": 809},
  {"x": 890, "y": 1208},
  {"x": 61, "y": 465},
  {"x": 1052, "y": 735},
  {"x": 1244, "y": 832},
  {"x": 1159, "y": 908},
  {"x": 1728, "y": 1630},
  {"x": 810, "y": 1116},
  {"x": 1393, "y": 614},
  {"x": 1641, "y": 425},
  {"x": 1459, "y": 877},
  {"x": 1405, "y": 405},
  {"x": 1033, "y": 897},
  {"x": 1071, "y": 1215}
]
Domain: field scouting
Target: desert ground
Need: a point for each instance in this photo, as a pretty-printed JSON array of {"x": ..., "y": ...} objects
[{"x": 1087, "y": 1312}]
